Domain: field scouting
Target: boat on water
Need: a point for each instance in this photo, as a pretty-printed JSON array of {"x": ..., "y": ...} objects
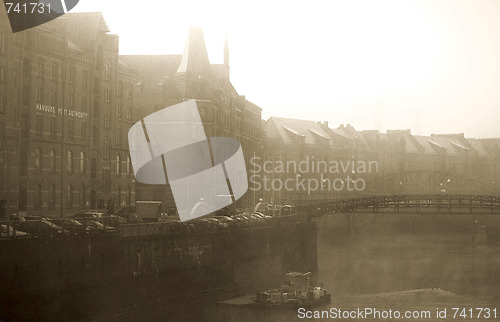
[{"x": 294, "y": 293}]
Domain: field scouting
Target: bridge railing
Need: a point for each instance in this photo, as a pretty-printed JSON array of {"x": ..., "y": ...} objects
[{"x": 441, "y": 203}]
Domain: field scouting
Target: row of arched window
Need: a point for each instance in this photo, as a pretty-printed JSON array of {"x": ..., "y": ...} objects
[
  {"x": 118, "y": 164},
  {"x": 54, "y": 71},
  {"x": 41, "y": 200},
  {"x": 39, "y": 158},
  {"x": 82, "y": 162}
]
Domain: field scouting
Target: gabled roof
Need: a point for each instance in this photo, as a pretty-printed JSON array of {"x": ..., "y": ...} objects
[
  {"x": 291, "y": 131},
  {"x": 83, "y": 27},
  {"x": 406, "y": 138},
  {"x": 195, "y": 58},
  {"x": 455, "y": 144},
  {"x": 480, "y": 147},
  {"x": 427, "y": 145},
  {"x": 152, "y": 69},
  {"x": 153, "y": 64}
]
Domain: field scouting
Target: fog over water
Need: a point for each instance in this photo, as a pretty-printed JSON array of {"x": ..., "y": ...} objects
[{"x": 398, "y": 262}]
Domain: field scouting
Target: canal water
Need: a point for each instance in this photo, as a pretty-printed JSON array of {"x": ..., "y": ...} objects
[{"x": 411, "y": 263}]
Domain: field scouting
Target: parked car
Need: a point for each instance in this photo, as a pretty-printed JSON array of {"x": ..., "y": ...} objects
[
  {"x": 89, "y": 214},
  {"x": 241, "y": 220},
  {"x": 8, "y": 231},
  {"x": 113, "y": 220},
  {"x": 36, "y": 218},
  {"x": 224, "y": 220},
  {"x": 38, "y": 227},
  {"x": 129, "y": 213},
  {"x": 94, "y": 225},
  {"x": 71, "y": 225}
]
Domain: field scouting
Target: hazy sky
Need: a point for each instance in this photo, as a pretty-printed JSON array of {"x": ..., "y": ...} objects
[{"x": 430, "y": 62}]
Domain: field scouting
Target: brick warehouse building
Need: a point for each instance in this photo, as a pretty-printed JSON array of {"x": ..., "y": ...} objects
[
  {"x": 164, "y": 80},
  {"x": 65, "y": 107},
  {"x": 67, "y": 100},
  {"x": 406, "y": 163}
]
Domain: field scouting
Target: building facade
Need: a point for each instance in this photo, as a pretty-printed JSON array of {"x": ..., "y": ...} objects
[
  {"x": 165, "y": 80},
  {"x": 65, "y": 102},
  {"x": 395, "y": 162}
]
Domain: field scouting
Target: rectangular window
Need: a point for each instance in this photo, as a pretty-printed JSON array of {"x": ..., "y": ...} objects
[
  {"x": 26, "y": 95},
  {"x": 118, "y": 136},
  {"x": 107, "y": 122},
  {"x": 39, "y": 94},
  {"x": 71, "y": 129},
  {"x": 84, "y": 79},
  {"x": 82, "y": 162},
  {"x": 23, "y": 164},
  {"x": 2, "y": 74},
  {"x": 83, "y": 131},
  {"x": 52, "y": 197},
  {"x": 26, "y": 68},
  {"x": 39, "y": 125},
  {"x": 2, "y": 44},
  {"x": 83, "y": 196},
  {"x": 38, "y": 197},
  {"x": 70, "y": 162},
  {"x": 72, "y": 73},
  {"x": 53, "y": 95},
  {"x": 107, "y": 96},
  {"x": 39, "y": 69},
  {"x": 129, "y": 113},
  {"x": 107, "y": 149},
  {"x": 69, "y": 197},
  {"x": 84, "y": 104},
  {"x": 38, "y": 160},
  {"x": 53, "y": 127},
  {"x": 71, "y": 100},
  {"x": 54, "y": 72},
  {"x": 25, "y": 126},
  {"x": 52, "y": 161},
  {"x": 106, "y": 179},
  {"x": 3, "y": 108},
  {"x": 118, "y": 165}
]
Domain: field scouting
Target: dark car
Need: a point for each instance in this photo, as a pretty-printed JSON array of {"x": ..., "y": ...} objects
[
  {"x": 93, "y": 225},
  {"x": 38, "y": 227},
  {"x": 113, "y": 220},
  {"x": 89, "y": 215},
  {"x": 129, "y": 213},
  {"x": 224, "y": 221},
  {"x": 8, "y": 231},
  {"x": 71, "y": 225}
]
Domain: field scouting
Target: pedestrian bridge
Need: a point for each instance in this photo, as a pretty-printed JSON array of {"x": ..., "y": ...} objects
[{"x": 455, "y": 204}]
